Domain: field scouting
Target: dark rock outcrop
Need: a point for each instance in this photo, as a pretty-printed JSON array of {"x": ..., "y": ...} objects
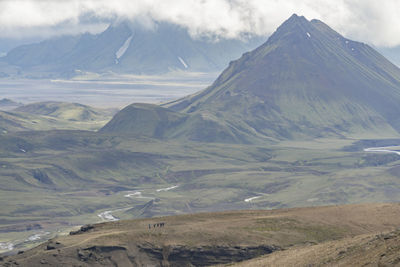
[
  {"x": 205, "y": 255},
  {"x": 83, "y": 229}
]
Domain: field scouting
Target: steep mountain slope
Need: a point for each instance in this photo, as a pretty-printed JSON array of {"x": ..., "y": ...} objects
[
  {"x": 127, "y": 48},
  {"x": 210, "y": 238},
  {"x": 305, "y": 81}
]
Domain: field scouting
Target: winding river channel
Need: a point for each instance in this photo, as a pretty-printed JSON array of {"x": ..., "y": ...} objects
[{"x": 108, "y": 214}]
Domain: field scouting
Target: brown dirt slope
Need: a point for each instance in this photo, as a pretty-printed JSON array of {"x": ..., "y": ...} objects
[
  {"x": 214, "y": 238},
  {"x": 363, "y": 250}
]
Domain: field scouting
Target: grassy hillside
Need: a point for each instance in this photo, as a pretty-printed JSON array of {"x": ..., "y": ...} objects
[
  {"x": 364, "y": 250},
  {"x": 144, "y": 120},
  {"x": 66, "y": 111},
  {"x": 53, "y": 115},
  {"x": 162, "y": 123},
  {"x": 212, "y": 238}
]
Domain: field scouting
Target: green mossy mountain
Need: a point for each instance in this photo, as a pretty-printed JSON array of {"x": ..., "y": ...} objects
[
  {"x": 306, "y": 81},
  {"x": 154, "y": 121},
  {"x": 144, "y": 120}
]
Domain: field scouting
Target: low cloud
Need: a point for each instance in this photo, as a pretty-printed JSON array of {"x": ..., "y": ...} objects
[{"x": 371, "y": 21}]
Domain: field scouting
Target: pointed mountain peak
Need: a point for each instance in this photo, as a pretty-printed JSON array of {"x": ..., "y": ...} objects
[
  {"x": 296, "y": 19},
  {"x": 295, "y": 25}
]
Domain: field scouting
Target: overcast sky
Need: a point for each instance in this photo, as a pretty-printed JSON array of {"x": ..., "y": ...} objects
[{"x": 372, "y": 21}]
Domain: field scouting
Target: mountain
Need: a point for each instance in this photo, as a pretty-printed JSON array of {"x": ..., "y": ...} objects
[
  {"x": 210, "y": 239},
  {"x": 126, "y": 48},
  {"x": 306, "y": 81}
]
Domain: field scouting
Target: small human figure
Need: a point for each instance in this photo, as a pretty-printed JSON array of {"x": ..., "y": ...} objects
[{"x": 149, "y": 226}]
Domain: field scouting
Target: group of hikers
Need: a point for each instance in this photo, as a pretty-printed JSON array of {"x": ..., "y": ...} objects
[{"x": 159, "y": 225}]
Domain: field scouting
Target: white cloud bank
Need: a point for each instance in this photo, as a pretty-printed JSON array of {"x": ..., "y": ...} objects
[{"x": 371, "y": 21}]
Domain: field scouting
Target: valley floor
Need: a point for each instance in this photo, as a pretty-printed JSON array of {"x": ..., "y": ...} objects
[{"x": 69, "y": 178}]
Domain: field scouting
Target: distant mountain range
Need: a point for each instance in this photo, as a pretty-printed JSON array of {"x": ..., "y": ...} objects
[
  {"x": 306, "y": 81},
  {"x": 127, "y": 47},
  {"x": 124, "y": 48}
]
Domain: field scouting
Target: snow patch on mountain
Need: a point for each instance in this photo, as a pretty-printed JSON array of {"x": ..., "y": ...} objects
[
  {"x": 121, "y": 51},
  {"x": 183, "y": 62}
]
